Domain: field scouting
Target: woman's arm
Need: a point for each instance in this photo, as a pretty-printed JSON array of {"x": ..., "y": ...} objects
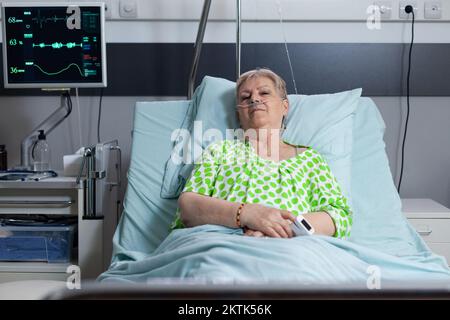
[
  {"x": 328, "y": 203},
  {"x": 196, "y": 204},
  {"x": 322, "y": 223},
  {"x": 196, "y": 209}
]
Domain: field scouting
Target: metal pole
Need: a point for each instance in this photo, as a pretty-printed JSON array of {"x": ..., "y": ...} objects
[
  {"x": 198, "y": 47},
  {"x": 238, "y": 39},
  {"x": 91, "y": 210}
]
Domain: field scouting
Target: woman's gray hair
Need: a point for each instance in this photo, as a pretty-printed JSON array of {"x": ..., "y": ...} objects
[{"x": 279, "y": 83}]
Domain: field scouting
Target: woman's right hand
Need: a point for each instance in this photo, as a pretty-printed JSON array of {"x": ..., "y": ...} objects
[{"x": 270, "y": 221}]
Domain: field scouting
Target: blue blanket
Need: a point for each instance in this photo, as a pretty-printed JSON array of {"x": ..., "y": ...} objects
[{"x": 218, "y": 254}]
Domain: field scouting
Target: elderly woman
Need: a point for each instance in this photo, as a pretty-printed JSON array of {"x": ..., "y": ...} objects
[{"x": 271, "y": 181}]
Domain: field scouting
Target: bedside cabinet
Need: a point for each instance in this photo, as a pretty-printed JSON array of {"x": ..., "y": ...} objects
[
  {"x": 58, "y": 197},
  {"x": 432, "y": 221}
]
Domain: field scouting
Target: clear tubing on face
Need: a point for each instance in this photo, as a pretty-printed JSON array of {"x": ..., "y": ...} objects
[{"x": 251, "y": 105}]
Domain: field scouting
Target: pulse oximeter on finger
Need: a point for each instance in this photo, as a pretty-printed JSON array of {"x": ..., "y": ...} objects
[{"x": 301, "y": 227}]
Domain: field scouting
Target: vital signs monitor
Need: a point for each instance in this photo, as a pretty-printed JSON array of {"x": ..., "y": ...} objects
[{"x": 54, "y": 45}]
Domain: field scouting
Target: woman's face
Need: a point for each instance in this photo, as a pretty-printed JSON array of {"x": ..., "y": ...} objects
[{"x": 268, "y": 106}]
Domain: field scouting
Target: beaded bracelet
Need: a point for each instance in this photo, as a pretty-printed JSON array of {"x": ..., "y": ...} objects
[{"x": 238, "y": 215}]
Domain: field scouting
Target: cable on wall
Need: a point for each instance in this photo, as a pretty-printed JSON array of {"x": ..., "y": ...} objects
[{"x": 410, "y": 10}]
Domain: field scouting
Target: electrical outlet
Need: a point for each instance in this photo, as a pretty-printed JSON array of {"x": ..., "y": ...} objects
[
  {"x": 401, "y": 12},
  {"x": 433, "y": 10},
  {"x": 108, "y": 9},
  {"x": 385, "y": 9},
  {"x": 128, "y": 8}
]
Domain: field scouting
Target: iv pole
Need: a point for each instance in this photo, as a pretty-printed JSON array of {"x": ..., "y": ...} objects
[
  {"x": 199, "y": 42},
  {"x": 238, "y": 38},
  {"x": 198, "y": 47}
]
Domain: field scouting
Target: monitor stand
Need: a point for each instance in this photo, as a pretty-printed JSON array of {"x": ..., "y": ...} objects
[{"x": 47, "y": 125}]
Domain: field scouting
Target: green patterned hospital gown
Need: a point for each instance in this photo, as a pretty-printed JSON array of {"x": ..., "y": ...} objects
[{"x": 231, "y": 170}]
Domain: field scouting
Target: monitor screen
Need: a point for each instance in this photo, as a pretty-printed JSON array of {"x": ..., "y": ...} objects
[{"x": 54, "y": 45}]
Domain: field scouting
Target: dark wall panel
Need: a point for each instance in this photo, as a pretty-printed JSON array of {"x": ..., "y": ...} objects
[{"x": 161, "y": 69}]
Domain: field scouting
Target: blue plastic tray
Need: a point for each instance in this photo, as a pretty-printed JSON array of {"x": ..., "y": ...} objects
[{"x": 52, "y": 244}]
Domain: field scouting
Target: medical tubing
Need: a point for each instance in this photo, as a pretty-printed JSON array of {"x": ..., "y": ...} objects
[
  {"x": 251, "y": 105},
  {"x": 280, "y": 13},
  {"x": 408, "y": 9}
]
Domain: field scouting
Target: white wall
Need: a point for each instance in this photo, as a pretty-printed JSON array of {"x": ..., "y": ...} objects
[
  {"x": 427, "y": 164},
  {"x": 256, "y": 10},
  {"x": 305, "y": 21},
  {"x": 427, "y": 154}
]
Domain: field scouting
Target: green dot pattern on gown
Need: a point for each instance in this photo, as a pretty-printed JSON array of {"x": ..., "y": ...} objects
[{"x": 231, "y": 170}]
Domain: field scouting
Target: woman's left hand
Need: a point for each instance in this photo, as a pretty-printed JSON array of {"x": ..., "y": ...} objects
[{"x": 253, "y": 233}]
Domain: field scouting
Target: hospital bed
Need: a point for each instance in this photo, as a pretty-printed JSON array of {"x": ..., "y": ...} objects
[
  {"x": 384, "y": 256},
  {"x": 383, "y": 251},
  {"x": 346, "y": 128}
]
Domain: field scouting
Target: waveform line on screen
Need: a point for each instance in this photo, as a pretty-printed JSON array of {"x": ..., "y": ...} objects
[
  {"x": 62, "y": 70},
  {"x": 58, "y": 45},
  {"x": 40, "y": 20}
]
